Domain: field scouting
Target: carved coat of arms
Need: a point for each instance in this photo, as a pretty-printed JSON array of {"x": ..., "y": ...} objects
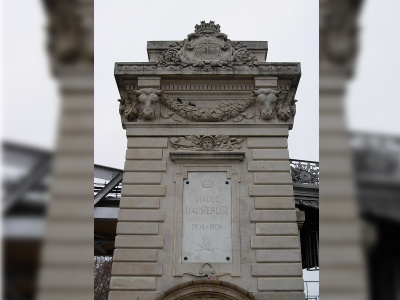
[{"x": 207, "y": 48}]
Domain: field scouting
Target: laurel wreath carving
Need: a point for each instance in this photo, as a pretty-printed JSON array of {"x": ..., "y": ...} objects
[{"x": 225, "y": 110}]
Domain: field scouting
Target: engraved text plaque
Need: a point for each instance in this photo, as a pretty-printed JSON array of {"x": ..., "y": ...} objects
[{"x": 207, "y": 218}]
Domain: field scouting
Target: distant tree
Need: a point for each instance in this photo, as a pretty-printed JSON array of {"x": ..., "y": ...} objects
[{"x": 102, "y": 275}]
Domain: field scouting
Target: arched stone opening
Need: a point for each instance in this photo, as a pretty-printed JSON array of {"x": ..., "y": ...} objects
[{"x": 206, "y": 289}]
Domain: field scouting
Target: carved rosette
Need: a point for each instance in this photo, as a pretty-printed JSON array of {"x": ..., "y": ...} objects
[{"x": 207, "y": 48}]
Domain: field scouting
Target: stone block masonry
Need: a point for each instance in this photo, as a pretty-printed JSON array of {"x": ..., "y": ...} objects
[{"x": 207, "y": 160}]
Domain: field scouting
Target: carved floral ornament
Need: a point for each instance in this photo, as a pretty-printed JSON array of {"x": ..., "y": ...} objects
[
  {"x": 150, "y": 104},
  {"x": 206, "y": 142},
  {"x": 206, "y": 49}
]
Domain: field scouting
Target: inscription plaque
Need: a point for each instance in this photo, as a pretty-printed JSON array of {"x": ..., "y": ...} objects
[{"x": 207, "y": 218}]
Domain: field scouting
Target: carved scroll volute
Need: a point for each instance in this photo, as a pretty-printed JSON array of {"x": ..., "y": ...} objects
[{"x": 141, "y": 104}]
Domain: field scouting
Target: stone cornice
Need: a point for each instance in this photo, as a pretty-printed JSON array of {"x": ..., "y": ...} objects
[{"x": 262, "y": 69}]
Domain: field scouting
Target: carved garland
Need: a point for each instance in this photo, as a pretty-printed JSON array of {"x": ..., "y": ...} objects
[
  {"x": 225, "y": 110},
  {"x": 149, "y": 103}
]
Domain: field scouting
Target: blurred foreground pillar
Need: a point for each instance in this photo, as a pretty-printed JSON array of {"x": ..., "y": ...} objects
[
  {"x": 341, "y": 260},
  {"x": 67, "y": 253}
]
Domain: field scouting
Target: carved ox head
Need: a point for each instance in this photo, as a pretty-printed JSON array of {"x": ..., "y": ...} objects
[
  {"x": 147, "y": 102},
  {"x": 266, "y": 99}
]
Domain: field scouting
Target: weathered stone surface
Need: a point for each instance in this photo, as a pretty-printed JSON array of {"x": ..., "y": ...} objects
[
  {"x": 346, "y": 279},
  {"x": 154, "y": 129},
  {"x": 280, "y": 296},
  {"x": 135, "y": 255},
  {"x": 69, "y": 230},
  {"x": 276, "y": 229},
  {"x": 141, "y": 215},
  {"x": 275, "y": 242},
  {"x": 149, "y": 81},
  {"x": 145, "y": 165},
  {"x": 133, "y": 283},
  {"x": 268, "y": 166},
  {"x": 56, "y": 295},
  {"x": 136, "y": 228},
  {"x": 270, "y": 190},
  {"x": 143, "y": 154},
  {"x": 129, "y": 295},
  {"x": 274, "y": 203},
  {"x": 344, "y": 232},
  {"x": 144, "y": 269},
  {"x": 341, "y": 254},
  {"x": 338, "y": 209},
  {"x": 270, "y": 154},
  {"x": 273, "y": 269},
  {"x": 145, "y": 143},
  {"x": 267, "y": 142},
  {"x": 139, "y": 241},
  {"x": 55, "y": 278},
  {"x": 141, "y": 178},
  {"x": 67, "y": 254},
  {"x": 143, "y": 190},
  {"x": 273, "y": 178},
  {"x": 273, "y": 216},
  {"x": 265, "y": 81},
  {"x": 280, "y": 284},
  {"x": 139, "y": 202},
  {"x": 278, "y": 256}
]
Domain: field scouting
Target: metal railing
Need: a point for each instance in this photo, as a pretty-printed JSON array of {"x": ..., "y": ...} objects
[{"x": 304, "y": 171}]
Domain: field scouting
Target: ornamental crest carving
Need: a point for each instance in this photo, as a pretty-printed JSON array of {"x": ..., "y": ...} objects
[
  {"x": 206, "y": 49},
  {"x": 206, "y": 143}
]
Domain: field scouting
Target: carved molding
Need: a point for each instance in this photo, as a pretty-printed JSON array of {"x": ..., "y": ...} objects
[
  {"x": 206, "y": 143},
  {"x": 206, "y": 289},
  {"x": 207, "y": 155},
  {"x": 206, "y": 49},
  {"x": 263, "y": 68}
]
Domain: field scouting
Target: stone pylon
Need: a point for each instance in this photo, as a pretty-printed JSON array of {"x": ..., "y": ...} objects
[{"x": 207, "y": 207}]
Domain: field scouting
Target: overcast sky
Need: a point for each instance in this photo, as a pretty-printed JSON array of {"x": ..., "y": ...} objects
[{"x": 122, "y": 28}]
